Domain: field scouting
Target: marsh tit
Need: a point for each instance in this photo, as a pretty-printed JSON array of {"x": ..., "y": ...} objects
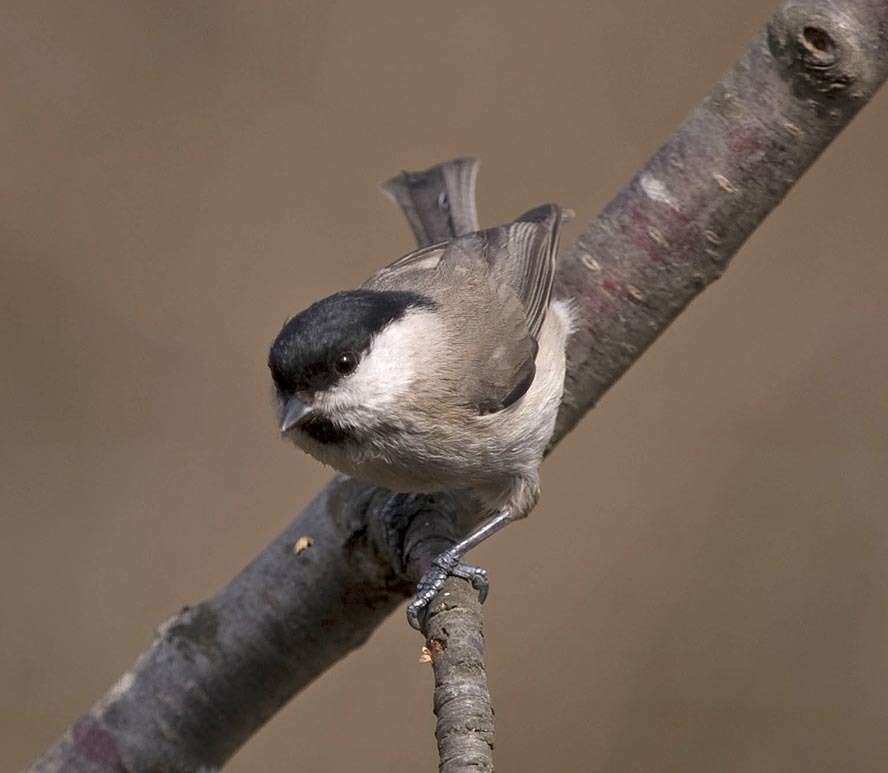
[{"x": 443, "y": 371}]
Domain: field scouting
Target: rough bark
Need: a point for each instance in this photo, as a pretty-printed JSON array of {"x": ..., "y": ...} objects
[
  {"x": 218, "y": 671},
  {"x": 455, "y": 643}
]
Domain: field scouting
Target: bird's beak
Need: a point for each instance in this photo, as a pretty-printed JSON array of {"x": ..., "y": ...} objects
[{"x": 293, "y": 412}]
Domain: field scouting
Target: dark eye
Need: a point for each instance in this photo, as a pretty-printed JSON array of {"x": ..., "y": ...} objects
[{"x": 346, "y": 363}]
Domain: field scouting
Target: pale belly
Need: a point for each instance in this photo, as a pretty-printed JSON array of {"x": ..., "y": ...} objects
[
  {"x": 471, "y": 452},
  {"x": 414, "y": 478},
  {"x": 412, "y": 464}
]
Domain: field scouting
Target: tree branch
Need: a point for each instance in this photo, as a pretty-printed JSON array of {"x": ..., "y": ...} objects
[
  {"x": 218, "y": 671},
  {"x": 455, "y": 643}
]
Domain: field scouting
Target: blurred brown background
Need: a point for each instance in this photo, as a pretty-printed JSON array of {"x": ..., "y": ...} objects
[{"x": 704, "y": 585}]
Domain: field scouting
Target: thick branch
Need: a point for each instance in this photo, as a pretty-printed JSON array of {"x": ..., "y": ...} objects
[{"x": 219, "y": 670}]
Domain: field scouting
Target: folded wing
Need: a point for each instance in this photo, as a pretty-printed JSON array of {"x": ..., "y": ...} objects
[{"x": 497, "y": 285}]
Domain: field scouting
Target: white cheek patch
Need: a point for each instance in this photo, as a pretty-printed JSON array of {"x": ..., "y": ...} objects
[{"x": 387, "y": 370}]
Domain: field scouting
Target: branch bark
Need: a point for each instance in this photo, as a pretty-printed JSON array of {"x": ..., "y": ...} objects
[
  {"x": 455, "y": 642},
  {"x": 216, "y": 672}
]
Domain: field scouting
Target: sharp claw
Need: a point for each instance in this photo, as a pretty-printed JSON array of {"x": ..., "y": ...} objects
[
  {"x": 414, "y": 614},
  {"x": 417, "y": 608},
  {"x": 481, "y": 584},
  {"x": 443, "y": 566}
]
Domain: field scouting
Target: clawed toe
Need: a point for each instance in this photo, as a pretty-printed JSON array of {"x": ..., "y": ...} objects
[
  {"x": 475, "y": 575},
  {"x": 443, "y": 566}
]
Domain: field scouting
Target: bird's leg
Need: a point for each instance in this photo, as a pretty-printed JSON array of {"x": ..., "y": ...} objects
[
  {"x": 450, "y": 563},
  {"x": 523, "y": 496}
]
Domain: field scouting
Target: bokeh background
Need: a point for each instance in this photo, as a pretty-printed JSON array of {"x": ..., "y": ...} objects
[{"x": 704, "y": 584}]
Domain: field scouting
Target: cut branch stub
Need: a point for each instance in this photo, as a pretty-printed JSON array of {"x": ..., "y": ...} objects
[{"x": 826, "y": 51}]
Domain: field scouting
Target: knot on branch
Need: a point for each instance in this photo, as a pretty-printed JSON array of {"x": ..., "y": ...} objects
[
  {"x": 193, "y": 631},
  {"x": 822, "y": 50}
]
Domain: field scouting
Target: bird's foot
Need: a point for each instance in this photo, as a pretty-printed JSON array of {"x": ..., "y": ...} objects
[{"x": 445, "y": 565}]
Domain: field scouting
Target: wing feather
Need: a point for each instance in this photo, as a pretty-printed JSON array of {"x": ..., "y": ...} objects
[
  {"x": 423, "y": 259},
  {"x": 520, "y": 256}
]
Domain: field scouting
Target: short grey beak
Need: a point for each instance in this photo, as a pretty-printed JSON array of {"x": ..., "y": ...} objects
[{"x": 293, "y": 412}]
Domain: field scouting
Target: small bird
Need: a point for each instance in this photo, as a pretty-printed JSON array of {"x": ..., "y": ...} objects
[{"x": 443, "y": 371}]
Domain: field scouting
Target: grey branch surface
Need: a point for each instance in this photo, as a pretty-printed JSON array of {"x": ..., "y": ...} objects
[
  {"x": 455, "y": 642},
  {"x": 217, "y": 671}
]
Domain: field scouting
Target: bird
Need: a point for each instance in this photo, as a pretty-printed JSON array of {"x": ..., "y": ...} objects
[{"x": 443, "y": 371}]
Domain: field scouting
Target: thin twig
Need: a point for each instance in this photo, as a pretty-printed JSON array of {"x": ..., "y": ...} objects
[
  {"x": 455, "y": 643},
  {"x": 218, "y": 671}
]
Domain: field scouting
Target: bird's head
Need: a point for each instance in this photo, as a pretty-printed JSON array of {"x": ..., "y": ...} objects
[{"x": 345, "y": 362}]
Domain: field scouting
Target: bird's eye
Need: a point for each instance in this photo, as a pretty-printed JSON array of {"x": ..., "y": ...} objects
[{"x": 346, "y": 363}]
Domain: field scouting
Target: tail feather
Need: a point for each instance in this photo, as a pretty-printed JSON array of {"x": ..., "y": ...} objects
[{"x": 439, "y": 202}]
